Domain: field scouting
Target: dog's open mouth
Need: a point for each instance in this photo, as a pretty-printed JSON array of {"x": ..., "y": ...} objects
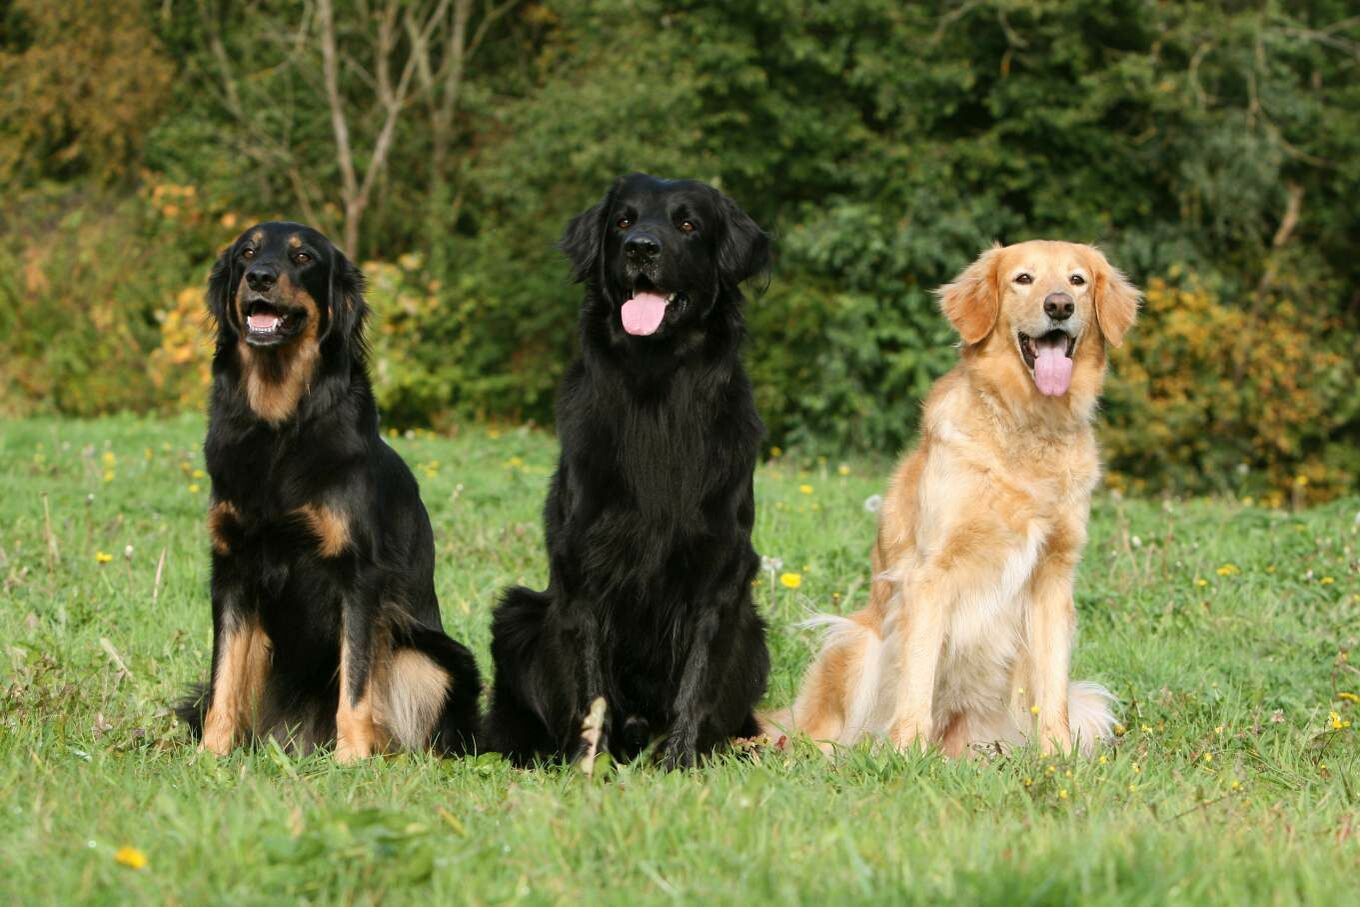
[
  {"x": 644, "y": 311},
  {"x": 268, "y": 324},
  {"x": 1050, "y": 358}
]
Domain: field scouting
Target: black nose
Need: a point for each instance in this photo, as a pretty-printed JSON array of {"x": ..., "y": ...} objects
[
  {"x": 1059, "y": 306},
  {"x": 261, "y": 279},
  {"x": 641, "y": 247}
]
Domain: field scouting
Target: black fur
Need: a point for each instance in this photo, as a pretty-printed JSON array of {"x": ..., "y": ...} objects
[
  {"x": 649, "y": 514},
  {"x": 327, "y": 452}
]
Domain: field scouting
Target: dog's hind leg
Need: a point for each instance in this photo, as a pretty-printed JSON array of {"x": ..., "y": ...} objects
[
  {"x": 426, "y": 692},
  {"x": 840, "y": 692}
]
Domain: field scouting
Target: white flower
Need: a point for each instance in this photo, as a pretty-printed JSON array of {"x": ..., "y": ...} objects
[
  {"x": 772, "y": 564},
  {"x": 873, "y": 503}
]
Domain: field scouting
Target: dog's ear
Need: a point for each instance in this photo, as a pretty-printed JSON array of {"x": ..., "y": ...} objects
[
  {"x": 346, "y": 309},
  {"x": 1116, "y": 299},
  {"x": 973, "y": 300},
  {"x": 745, "y": 248},
  {"x": 584, "y": 236},
  {"x": 221, "y": 288}
]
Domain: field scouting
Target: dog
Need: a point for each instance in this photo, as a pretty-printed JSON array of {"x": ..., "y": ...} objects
[
  {"x": 648, "y": 516},
  {"x": 969, "y": 627},
  {"x": 326, "y": 627}
]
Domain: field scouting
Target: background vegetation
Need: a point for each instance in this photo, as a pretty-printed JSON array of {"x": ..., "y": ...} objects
[{"x": 1213, "y": 148}]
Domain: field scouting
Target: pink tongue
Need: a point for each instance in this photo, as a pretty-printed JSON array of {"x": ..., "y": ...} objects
[
  {"x": 643, "y": 313},
  {"x": 1052, "y": 368},
  {"x": 261, "y": 321}
]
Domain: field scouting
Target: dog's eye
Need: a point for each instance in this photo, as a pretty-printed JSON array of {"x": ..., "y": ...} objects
[
  {"x": 625, "y": 223},
  {"x": 1077, "y": 280},
  {"x": 686, "y": 226},
  {"x": 1024, "y": 279},
  {"x": 301, "y": 257},
  {"x": 248, "y": 254}
]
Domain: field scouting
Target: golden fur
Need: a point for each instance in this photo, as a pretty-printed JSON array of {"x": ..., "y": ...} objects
[{"x": 968, "y": 632}]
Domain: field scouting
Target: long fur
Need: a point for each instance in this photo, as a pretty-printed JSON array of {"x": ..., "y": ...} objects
[
  {"x": 321, "y": 545},
  {"x": 649, "y": 513},
  {"x": 970, "y": 623}
]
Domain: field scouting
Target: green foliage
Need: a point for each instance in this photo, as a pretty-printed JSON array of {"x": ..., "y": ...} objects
[
  {"x": 885, "y": 144},
  {"x": 1224, "y": 629}
]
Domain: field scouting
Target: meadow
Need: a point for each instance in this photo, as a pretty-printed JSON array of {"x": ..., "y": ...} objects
[{"x": 1225, "y": 628}]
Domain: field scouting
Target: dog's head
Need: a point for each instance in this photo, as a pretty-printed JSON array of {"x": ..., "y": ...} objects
[
  {"x": 1053, "y": 304},
  {"x": 281, "y": 285},
  {"x": 662, "y": 253}
]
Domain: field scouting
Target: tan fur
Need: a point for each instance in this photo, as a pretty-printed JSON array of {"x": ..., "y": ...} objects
[
  {"x": 237, "y": 687},
  {"x": 411, "y": 694},
  {"x": 331, "y": 528},
  {"x": 357, "y": 735},
  {"x": 967, "y": 635},
  {"x": 276, "y": 379},
  {"x": 221, "y": 518}
]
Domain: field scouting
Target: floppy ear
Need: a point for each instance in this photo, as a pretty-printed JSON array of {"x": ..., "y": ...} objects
[
  {"x": 1116, "y": 300},
  {"x": 221, "y": 288},
  {"x": 973, "y": 300},
  {"x": 347, "y": 309},
  {"x": 745, "y": 248},
  {"x": 583, "y": 238}
]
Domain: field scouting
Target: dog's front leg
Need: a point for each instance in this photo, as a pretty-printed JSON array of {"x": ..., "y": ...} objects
[
  {"x": 356, "y": 729},
  {"x": 592, "y": 729},
  {"x": 920, "y": 635},
  {"x": 1052, "y": 625},
  {"x": 240, "y": 663},
  {"x": 680, "y": 748}
]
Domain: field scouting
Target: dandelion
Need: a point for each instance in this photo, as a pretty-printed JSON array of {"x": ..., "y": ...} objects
[
  {"x": 1327, "y": 580},
  {"x": 1051, "y": 770},
  {"x": 1034, "y": 710},
  {"x": 198, "y": 474},
  {"x": 1270, "y": 568},
  {"x": 772, "y": 564},
  {"x": 1103, "y": 759},
  {"x": 776, "y": 453},
  {"x": 1337, "y": 723},
  {"x": 1227, "y": 570},
  {"x": 1133, "y": 788},
  {"x": 108, "y": 459},
  {"x": 108, "y": 475},
  {"x": 1219, "y": 729},
  {"x": 1348, "y": 697},
  {"x": 843, "y": 470},
  {"x": 873, "y": 503},
  {"x": 1062, "y": 793},
  {"x": 130, "y": 857},
  {"x": 1029, "y": 782},
  {"x": 103, "y": 557},
  {"x": 493, "y": 433},
  {"x": 193, "y": 488},
  {"x": 791, "y": 580},
  {"x": 1208, "y": 757},
  {"x": 514, "y": 463},
  {"x": 1200, "y": 582},
  {"x": 1236, "y": 785},
  {"x": 1120, "y": 730}
]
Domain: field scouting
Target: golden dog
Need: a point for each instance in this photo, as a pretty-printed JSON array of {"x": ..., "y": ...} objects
[{"x": 968, "y": 632}]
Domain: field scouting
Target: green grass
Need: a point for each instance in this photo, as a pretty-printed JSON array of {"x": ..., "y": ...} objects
[{"x": 1223, "y": 628}]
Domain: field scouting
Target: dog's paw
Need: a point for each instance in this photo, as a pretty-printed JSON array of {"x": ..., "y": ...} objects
[
  {"x": 677, "y": 751},
  {"x": 594, "y": 740}
]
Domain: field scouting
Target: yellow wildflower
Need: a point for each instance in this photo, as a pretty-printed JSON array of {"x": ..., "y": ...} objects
[
  {"x": 1062, "y": 793},
  {"x": 1327, "y": 580},
  {"x": 108, "y": 475},
  {"x": 103, "y": 557},
  {"x": 108, "y": 459},
  {"x": 1336, "y": 721},
  {"x": 1201, "y": 582},
  {"x": 514, "y": 463},
  {"x": 130, "y": 857},
  {"x": 1208, "y": 757},
  {"x": 776, "y": 452},
  {"x": 791, "y": 580},
  {"x": 193, "y": 488},
  {"x": 1227, "y": 570},
  {"x": 843, "y": 470},
  {"x": 1270, "y": 568},
  {"x": 1034, "y": 710},
  {"x": 198, "y": 474},
  {"x": 805, "y": 489},
  {"x": 1348, "y": 697}
]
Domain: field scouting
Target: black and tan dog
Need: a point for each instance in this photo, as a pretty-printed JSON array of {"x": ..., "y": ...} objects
[
  {"x": 648, "y": 606},
  {"x": 325, "y": 623}
]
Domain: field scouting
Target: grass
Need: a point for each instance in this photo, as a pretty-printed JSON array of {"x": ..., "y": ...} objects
[{"x": 1224, "y": 629}]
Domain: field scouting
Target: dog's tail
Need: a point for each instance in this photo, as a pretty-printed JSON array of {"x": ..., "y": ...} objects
[
  {"x": 1090, "y": 714},
  {"x": 431, "y": 697},
  {"x": 192, "y": 709},
  {"x": 859, "y": 697}
]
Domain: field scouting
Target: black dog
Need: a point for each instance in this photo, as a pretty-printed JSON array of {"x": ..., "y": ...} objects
[
  {"x": 325, "y": 622},
  {"x": 649, "y": 513}
]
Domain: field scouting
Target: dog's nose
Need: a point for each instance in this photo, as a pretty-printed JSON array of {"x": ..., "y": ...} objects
[
  {"x": 261, "y": 279},
  {"x": 1059, "y": 306},
  {"x": 641, "y": 246}
]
